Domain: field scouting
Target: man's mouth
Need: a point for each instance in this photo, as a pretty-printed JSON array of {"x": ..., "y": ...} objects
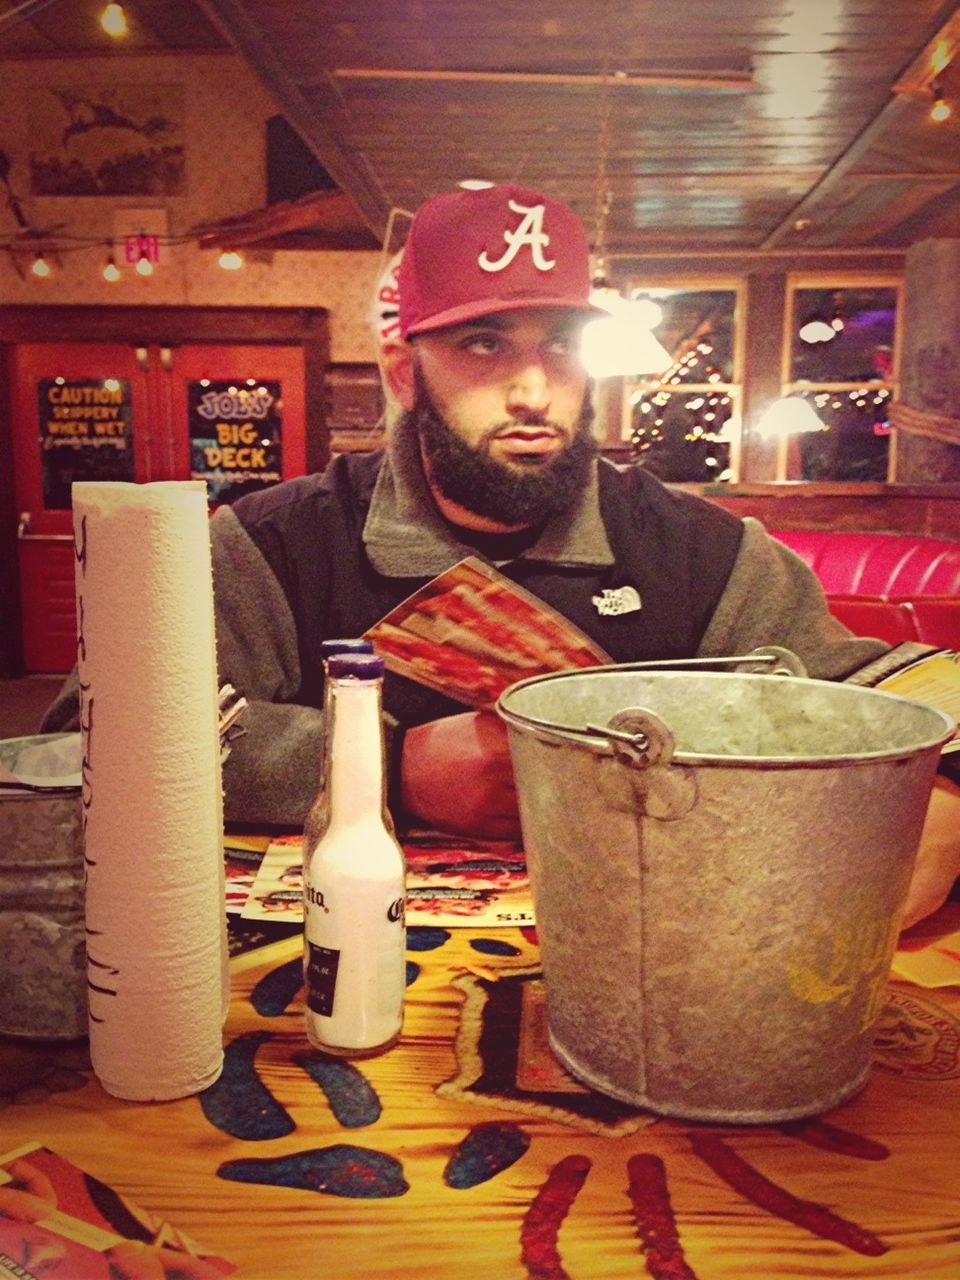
[{"x": 527, "y": 444}]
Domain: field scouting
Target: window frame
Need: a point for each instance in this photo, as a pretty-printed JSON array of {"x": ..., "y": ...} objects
[
  {"x": 685, "y": 283},
  {"x": 797, "y": 280}
]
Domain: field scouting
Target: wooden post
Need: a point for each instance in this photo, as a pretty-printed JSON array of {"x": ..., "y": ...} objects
[{"x": 927, "y": 418}]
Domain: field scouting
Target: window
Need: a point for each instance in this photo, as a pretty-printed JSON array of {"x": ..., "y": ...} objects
[
  {"x": 841, "y": 358},
  {"x": 684, "y": 423}
]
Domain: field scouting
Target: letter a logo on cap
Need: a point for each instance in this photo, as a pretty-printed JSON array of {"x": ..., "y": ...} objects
[{"x": 529, "y": 232}]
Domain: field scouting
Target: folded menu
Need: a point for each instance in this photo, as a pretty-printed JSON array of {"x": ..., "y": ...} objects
[
  {"x": 451, "y": 881},
  {"x": 934, "y": 679},
  {"x": 55, "y": 1219},
  {"x": 471, "y": 632}
]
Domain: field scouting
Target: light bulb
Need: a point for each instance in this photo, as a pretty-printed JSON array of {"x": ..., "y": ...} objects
[
  {"x": 111, "y": 271},
  {"x": 791, "y": 415},
  {"x": 648, "y": 312},
  {"x": 114, "y": 20},
  {"x": 41, "y": 267},
  {"x": 817, "y": 330},
  {"x": 144, "y": 266},
  {"x": 941, "y": 109},
  {"x": 230, "y": 260},
  {"x": 615, "y": 346}
]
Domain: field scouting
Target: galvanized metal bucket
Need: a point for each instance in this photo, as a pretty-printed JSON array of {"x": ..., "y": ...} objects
[
  {"x": 719, "y": 863},
  {"x": 43, "y": 993}
]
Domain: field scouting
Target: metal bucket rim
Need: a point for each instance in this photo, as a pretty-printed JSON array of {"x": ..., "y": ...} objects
[
  {"x": 601, "y": 745},
  {"x": 10, "y": 791}
]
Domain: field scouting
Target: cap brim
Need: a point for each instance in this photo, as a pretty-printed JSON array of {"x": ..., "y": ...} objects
[{"x": 494, "y": 306}]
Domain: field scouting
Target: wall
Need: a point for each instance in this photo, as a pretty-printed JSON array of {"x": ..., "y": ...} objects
[{"x": 225, "y": 111}]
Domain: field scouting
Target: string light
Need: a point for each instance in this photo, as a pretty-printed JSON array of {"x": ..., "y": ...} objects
[
  {"x": 941, "y": 109},
  {"x": 143, "y": 257},
  {"x": 114, "y": 20}
]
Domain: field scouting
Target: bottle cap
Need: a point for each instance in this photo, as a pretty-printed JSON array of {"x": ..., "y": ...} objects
[
  {"x": 329, "y": 647},
  {"x": 365, "y": 666}
]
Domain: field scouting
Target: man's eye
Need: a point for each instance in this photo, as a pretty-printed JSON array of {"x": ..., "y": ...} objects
[
  {"x": 481, "y": 344},
  {"x": 565, "y": 344}
]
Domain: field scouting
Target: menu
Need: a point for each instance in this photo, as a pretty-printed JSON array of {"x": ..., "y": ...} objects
[
  {"x": 57, "y": 1219},
  {"x": 451, "y": 882},
  {"x": 471, "y": 632},
  {"x": 933, "y": 679}
]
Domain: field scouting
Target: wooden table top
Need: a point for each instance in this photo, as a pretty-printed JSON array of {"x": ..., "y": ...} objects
[{"x": 434, "y": 1161}]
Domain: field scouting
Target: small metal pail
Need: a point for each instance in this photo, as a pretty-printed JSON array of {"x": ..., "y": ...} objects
[
  {"x": 719, "y": 863},
  {"x": 43, "y": 966}
]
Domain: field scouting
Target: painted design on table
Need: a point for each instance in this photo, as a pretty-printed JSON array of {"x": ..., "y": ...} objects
[
  {"x": 655, "y": 1220},
  {"x": 542, "y": 1221},
  {"x": 239, "y": 1103},
  {"x": 353, "y": 1099},
  {"x": 487, "y": 1150},
  {"x": 503, "y": 1057},
  {"x": 749, "y": 1182},
  {"x": 501, "y": 1038},
  {"x": 339, "y": 1170}
]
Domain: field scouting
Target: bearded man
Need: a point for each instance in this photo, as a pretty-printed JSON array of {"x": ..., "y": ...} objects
[{"x": 492, "y": 457}]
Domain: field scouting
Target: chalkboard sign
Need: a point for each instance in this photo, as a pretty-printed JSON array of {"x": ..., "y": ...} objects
[
  {"x": 86, "y": 433},
  {"x": 235, "y": 435}
]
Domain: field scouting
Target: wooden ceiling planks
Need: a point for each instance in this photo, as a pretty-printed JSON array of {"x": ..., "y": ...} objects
[{"x": 822, "y": 121}]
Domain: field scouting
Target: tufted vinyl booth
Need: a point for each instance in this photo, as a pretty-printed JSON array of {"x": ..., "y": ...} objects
[{"x": 892, "y": 585}]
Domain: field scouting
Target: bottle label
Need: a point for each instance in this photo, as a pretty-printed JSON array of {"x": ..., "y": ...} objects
[{"x": 321, "y": 978}]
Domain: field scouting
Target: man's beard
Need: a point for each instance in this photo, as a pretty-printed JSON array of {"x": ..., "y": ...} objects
[{"x": 513, "y": 495}]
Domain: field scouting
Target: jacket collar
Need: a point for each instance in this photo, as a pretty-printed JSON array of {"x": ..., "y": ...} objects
[{"x": 406, "y": 537}]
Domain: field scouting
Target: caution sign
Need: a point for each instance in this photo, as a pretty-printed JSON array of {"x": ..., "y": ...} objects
[
  {"x": 235, "y": 435},
  {"x": 86, "y": 433}
]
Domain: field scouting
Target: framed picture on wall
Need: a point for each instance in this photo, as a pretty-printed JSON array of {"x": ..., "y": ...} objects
[{"x": 107, "y": 140}]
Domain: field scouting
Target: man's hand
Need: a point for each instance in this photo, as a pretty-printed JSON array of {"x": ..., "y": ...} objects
[
  {"x": 456, "y": 776},
  {"x": 938, "y": 859}
]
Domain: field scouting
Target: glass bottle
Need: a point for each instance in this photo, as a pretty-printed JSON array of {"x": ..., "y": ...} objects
[
  {"x": 316, "y": 819},
  {"x": 354, "y": 876}
]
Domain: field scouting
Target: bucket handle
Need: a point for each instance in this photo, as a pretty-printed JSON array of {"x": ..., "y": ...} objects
[
  {"x": 638, "y": 737},
  {"x": 782, "y": 662}
]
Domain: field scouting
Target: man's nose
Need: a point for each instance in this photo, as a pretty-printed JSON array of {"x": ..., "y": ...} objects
[{"x": 529, "y": 393}]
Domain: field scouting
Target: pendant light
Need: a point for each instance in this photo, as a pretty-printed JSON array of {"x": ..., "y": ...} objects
[{"x": 621, "y": 343}]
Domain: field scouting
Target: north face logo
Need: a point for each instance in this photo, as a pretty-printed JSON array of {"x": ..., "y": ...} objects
[
  {"x": 529, "y": 232},
  {"x": 616, "y": 600}
]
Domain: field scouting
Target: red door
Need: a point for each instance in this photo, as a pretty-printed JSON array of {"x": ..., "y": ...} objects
[{"x": 233, "y": 415}]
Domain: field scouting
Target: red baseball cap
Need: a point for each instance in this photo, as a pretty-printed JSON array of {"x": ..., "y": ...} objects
[{"x": 473, "y": 253}]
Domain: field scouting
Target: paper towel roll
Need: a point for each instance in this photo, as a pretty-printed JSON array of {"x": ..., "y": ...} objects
[{"x": 153, "y": 832}]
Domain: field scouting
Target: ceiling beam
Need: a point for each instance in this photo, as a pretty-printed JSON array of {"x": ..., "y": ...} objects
[
  {"x": 329, "y": 217},
  {"x": 309, "y": 116},
  {"x": 933, "y": 58},
  {"x": 23, "y": 12},
  {"x": 885, "y": 121},
  {"x": 740, "y": 81}
]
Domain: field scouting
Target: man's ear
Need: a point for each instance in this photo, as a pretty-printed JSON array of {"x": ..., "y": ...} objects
[{"x": 396, "y": 362}]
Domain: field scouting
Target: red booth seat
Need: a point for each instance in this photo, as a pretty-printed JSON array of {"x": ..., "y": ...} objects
[{"x": 891, "y": 585}]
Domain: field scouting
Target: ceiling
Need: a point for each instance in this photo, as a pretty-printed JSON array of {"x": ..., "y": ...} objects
[{"x": 694, "y": 130}]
